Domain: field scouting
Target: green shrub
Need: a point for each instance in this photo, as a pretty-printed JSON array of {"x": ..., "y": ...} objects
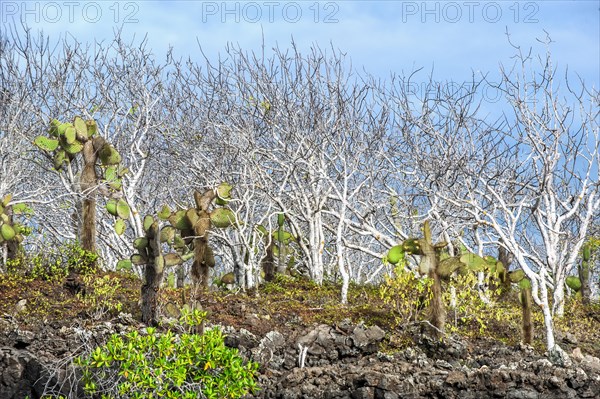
[
  {"x": 169, "y": 365},
  {"x": 468, "y": 311},
  {"x": 407, "y": 293},
  {"x": 56, "y": 263},
  {"x": 101, "y": 295}
]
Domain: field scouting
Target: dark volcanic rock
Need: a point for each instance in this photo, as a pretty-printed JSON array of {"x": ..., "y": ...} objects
[{"x": 322, "y": 362}]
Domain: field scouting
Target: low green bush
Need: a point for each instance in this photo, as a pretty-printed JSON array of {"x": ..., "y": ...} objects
[
  {"x": 55, "y": 264},
  {"x": 152, "y": 364},
  {"x": 407, "y": 294}
]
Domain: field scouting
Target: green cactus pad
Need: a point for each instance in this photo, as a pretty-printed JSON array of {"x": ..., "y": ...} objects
[
  {"x": 92, "y": 127},
  {"x": 148, "y": 221},
  {"x": 283, "y": 236},
  {"x": 116, "y": 184},
  {"x": 192, "y": 216},
  {"x": 178, "y": 242},
  {"x": 7, "y": 232},
  {"x": 474, "y": 261},
  {"x": 412, "y": 246},
  {"x": 164, "y": 213},
  {"x": 5, "y": 218},
  {"x": 70, "y": 135},
  {"x": 46, "y": 144},
  {"x": 60, "y": 158},
  {"x": 111, "y": 207},
  {"x": 138, "y": 259},
  {"x": 516, "y": 275},
  {"x": 280, "y": 219},
  {"x": 6, "y": 199},
  {"x": 448, "y": 266},
  {"x": 140, "y": 243},
  {"x": 490, "y": 259},
  {"x": 222, "y": 217},
  {"x": 124, "y": 264},
  {"x": 179, "y": 220},
  {"x": 228, "y": 278},
  {"x": 110, "y": 173},
  {"x": 21, "y": 208},
  {"x": 525, "y": 283},
  {"x": 167, "y": 234},
  {"x": 395, "y": 254},
  {"x": 109, "y": 155},
  {"x": 72, "y": 148},
  {"x": 18, "y": 228},
  {"x": 53, "y": 128},
  {"x": 123, "y": 210},
  {"x": 159, "y": 263},
  {"x": 209, "y": 257},
  {"x": 574, "y": 283},
  {"x": 122, "y": 171},
  {"x": 120, "y": 226},
  {"x": 224, "y": 190},
  {"x": 221, "y": 201},
  {"x": 173, "y": 259},
  {"x": 496, "y": 268},
  {"x": 587, "y": 252},
  {"x": 62, "y": 128},
  {"x": 81, "y": 129}
]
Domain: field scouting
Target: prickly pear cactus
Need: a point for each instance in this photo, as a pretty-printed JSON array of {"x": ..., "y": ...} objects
[
  {"x": 189, "y": 229},
  {"x": 11, "y": 233},
  {"x": 277, "y": 247},
  {"x": 63, "y": 145},
  {"x": 429, "y": 265},
  {"x": 584, "y": 270},
  {"x": 150, "y": 254}
]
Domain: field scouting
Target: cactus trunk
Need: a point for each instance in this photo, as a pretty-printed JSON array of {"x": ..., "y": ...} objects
[
  {"x": 429, "y": 265},
  {"x": 88, "y": 189},
  {"x": 267, "y": 263},
  {"x": 153, "y": 272},
  {"x": 200, "y": 267},
  {"x": 527, "y": 326},
  {"x": 281, "y": 266},
  {"x": 506, "y": 259},
  {"x": 584, "y": 277}
]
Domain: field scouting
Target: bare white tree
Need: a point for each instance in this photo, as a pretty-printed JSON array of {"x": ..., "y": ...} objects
[{"x": 539, "y": 192}]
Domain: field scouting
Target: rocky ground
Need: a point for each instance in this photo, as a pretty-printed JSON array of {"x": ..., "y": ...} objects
[
  {"x": 323, "y": 361},
  {"x": 304, "y": 357}
]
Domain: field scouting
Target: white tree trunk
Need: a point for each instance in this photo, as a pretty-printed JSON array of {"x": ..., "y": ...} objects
[
  {"x": 340, "y": 245},
  {"x": 548, "y": 324},
  {"x": 317, "y": 244},
  {"x": 559, "y": 297}
]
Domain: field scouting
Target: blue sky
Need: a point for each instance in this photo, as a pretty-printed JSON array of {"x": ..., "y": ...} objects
[{"x": 450, "y": 38}]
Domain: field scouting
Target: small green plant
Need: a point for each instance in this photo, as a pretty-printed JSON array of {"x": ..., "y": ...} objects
[
  {"x": 152, "y": 364},
  {"x": 55, "y": 264},
  {"x": 101, "y": 295},
  {"x": 467, "y": 306},
  {"x": 407, "y": 293}
]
